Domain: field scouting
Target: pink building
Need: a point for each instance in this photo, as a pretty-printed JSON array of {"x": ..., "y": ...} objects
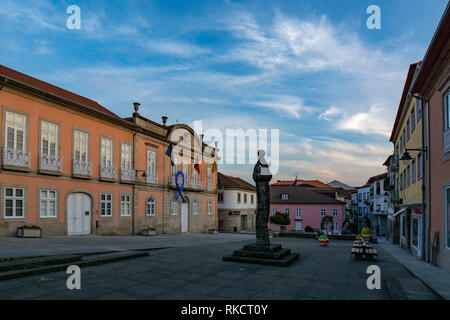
[
  {"x": 433, "y": 85},
  {"x": 305, "y": 207}
]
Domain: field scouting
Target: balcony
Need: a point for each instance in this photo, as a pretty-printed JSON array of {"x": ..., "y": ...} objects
[
  {"x": 151, "y": 178},
  {"x": 81, "y": 168},
  {"x": 16, "y": 158},
  {"x": 108, "y": 172},
  {"x": 209, "y": 186},
  {"x": 51, "y": 164},
  {"x": 127, "y": 174}
]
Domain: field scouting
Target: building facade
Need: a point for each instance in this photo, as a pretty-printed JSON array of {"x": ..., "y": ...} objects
[
  {"x": 305, "y": 208},
  {"x": 408, "y": 138},
  {"x": 432, "y": 86},
  {"x": 236, "y": 204},
  {"x": 378, "y": 204},
  {"x": 363, "y": 207},
  {"x": 73, "y": 167}
]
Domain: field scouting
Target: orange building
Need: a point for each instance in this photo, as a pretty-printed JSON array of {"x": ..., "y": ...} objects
[{"x": 73, "y": 167}]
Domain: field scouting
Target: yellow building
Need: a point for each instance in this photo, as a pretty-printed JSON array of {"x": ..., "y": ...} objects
[{"x": 407, "y": 137}]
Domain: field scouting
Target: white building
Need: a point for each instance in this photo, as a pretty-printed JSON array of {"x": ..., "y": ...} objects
[
  {"x": 236, "y": 204},
  {"x": 379, "y": 199},
  {"x": 363, "y": 207}
]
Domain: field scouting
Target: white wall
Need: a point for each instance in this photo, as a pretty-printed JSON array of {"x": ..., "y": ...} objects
[{"x": 230, "y": 200}]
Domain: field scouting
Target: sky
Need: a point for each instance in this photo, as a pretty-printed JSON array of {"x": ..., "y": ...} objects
[{"x": 311, "y": 69}]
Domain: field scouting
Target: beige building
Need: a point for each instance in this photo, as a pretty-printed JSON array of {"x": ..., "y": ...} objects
[{"x": 236, "y": 204}]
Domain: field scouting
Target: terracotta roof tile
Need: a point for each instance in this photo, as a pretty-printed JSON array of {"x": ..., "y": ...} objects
[
  {"x": 299, "y": 195},
  {"x": 21, "y": 77},
  {"x": 233, "y": 182}
]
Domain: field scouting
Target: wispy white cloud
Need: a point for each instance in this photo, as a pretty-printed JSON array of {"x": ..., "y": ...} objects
[{"x": 290, "y": 105}]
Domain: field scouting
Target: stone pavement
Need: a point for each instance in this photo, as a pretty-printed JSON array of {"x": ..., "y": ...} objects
[
  {"x": 194, "y": 269},
  {"x": 435, "y": 278}
]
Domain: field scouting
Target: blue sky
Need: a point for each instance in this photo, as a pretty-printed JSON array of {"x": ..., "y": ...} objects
[{"x": 311, "y": 69}]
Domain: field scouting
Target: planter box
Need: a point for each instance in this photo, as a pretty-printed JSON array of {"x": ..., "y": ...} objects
[
  {"x": 149, "y": 232},
  {"x": 29, "y": 232}
]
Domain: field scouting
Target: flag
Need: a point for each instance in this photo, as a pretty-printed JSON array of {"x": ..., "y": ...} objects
[
  {"x": 214, "y": 167},
  {"x": 169, "y": 154},
  {"x": 197, "y": 168}
]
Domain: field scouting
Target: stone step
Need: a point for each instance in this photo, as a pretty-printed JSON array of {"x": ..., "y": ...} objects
[
  {"x": 284, "y": 262},
  {"x": 27, "y": 263},
  {"x": 261, "y": 254},
  {"x": 84, "y": 262}
]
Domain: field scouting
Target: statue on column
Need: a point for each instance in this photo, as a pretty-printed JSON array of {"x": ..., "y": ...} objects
[{"x": 262, "y": 177}]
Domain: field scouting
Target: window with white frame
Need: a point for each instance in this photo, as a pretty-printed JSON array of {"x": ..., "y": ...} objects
[
  {"x": 252, "y": 197},
  {"x": 125, "y": 156},
  {"x": 245, "y": 198},
  {"x": 174, "y": 208},
  {"x": 209, "y": 207},
  {"x": 413, "y": 118},
  {"x": 49, "y": 139},
  {"x": 194, "y": 207},
  {"x": 106, "y": 152},
  {"x": 335, "y": 212},
  {"x": 238, "y": 197},
  {"x": 185, "y": 169},
  {"x": 13, "y": 203},
  {"x": 447, "y": 110},
  {"x": 48, "y": 203},
  {"x": 15, "y": 131},
  {"x": 298, "y": 213},
  {"x": 413, "y": 171},
  {"x": 274, "y": 210},
  {"x": 125, "y": 205},
  {"x": 415, "y": 232},
  {"x": 151, "y": 162},
  {"x": 408, "y": 132},
  {"x": 150, "y": 207},
  {"x": 106, "y": 205},
  {"x": 284, "y": 196},
  {"x": 323, "y": 212},
  {"x": 80, "y": 146},
  {"x": 287, "y": 211}
]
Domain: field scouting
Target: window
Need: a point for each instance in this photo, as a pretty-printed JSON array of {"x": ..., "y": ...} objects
[
  {"x": 284, "y": 196},
  {"x": 195, "y": 207},
  {"x": 252, "y": 197},
  {"x": 419, "y": 166},
  {"x": 106, "y": 205},
  {"x": 245, "y": 198},
  {"x": 49, "y": 139},
  {"x": 220, "y": 197},
  {"x": 378, "y": 187},
  {"x": 419, "y": 109},
  {"x": 323, "y": 212},
  {"x": 150, "y": 207},
  {"x": 274, "y": 210},
  {"x": 408, "y": 175},
  {"x": 447, "y": 220},
  {"x": 125, "y": 156},
  {"x": 287, "y": 210},
  {"x": 360, "y": 197},
  {"x": 447, "y": 110},
  {"x": 298, "y": 213},
  {"x": 80, "y": 143},
  {"x": 378, "y": 208},
  {"x": 151, "y": 163},
  {"x": 408, "y": 128},
  {"x": 238, "y": 198},
  {"x": 13, "y": 205},
  {"x": 15, "y": 131},
  {"x": 174, "y": 208},
  {"x": 209, "y": 207},
  {"x": 413, "y": 118},
  {"x": 125, "y": 205},
  {"x": 106, "y": 157},
  {"x": 47, "y": 203},
  {"x": 413, "y": 171},
  {"x": 335, "y": 212}
]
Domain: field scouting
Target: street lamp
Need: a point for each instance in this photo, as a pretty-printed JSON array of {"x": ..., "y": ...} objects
[
  {"x": 144, "y": 173},
  {"x": 407, "y": 157}
]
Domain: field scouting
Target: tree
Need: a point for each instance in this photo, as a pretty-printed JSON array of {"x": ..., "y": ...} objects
[
  {"x": 281, "y": 219},
  {"x": 328, "y": 220}
]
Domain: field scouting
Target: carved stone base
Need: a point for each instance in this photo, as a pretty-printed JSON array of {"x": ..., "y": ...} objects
[{"x": 272, "y": 254}]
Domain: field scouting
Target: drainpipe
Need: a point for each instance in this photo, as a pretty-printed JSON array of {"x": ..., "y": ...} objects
[{"x": 134, "y": 187}]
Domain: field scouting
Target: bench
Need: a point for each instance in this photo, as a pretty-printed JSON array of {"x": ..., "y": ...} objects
[{"x": 364, "y": 250}]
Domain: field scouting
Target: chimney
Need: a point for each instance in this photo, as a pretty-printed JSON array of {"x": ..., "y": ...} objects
[
  {"x": 164, "y": 120},
  {"x": 136, "y": 108}
]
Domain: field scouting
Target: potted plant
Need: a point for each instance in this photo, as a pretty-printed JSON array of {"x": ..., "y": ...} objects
[
  {"x": 149, "y": 232},
  {"x": 29, "y": 231}
]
